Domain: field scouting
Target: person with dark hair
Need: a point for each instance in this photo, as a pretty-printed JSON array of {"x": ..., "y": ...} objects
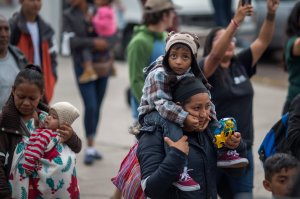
[
  {"x": 147, "y": 44},
  {"x": 35, "y": 38},
  {"x": 280, "y": 170},
  {"x": 232, "y": 92},
  {"x": 12, "y": 60},
  {"x": 293, "y": 127},
  {"x": 160, "y": 170},
  {"x": 18, "y": 120},
  {"x": 292, "y": 55},
  {"x": 76, "y": 22},
  {"x": 179, "y": 61}
]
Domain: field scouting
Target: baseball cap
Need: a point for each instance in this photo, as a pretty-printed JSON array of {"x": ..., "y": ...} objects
[{"x": 152, "y": 6}]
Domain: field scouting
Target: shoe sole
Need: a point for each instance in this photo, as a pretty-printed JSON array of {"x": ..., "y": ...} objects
[
  {"x": 187, "y": 188},
  {"x": 92, "y": 78},
  {"x": 243, "y": 162}
]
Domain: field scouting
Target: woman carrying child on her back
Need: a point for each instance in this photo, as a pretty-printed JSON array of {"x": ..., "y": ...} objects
[
  {"x": 20, "y": 117},
  {"x": 160, "y": 170},
  {"x": 179, "y": 61}
]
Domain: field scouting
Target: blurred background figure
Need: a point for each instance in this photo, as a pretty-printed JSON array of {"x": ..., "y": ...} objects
[
  {"x": 77, "y": 20},
  {"x": 11, "y": 61},
  {"x": 223, "y": 12},
  {"x": 35, "y": 38},
  {"x": 292, "y": 55}
]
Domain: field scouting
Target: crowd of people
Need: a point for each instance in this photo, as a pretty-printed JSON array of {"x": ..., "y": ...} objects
[{"x": 177, "y": 102}]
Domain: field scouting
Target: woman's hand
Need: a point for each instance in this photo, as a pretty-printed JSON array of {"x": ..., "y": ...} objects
[
  {"x": 65, "y": 132},
  {"x": 182, "y": 144},
  {"x": 100, "y": 44},
  {"x": 233, "y": 141},
  {"x": 272, "y": 6},
  {"x": 242, "y": 11}
]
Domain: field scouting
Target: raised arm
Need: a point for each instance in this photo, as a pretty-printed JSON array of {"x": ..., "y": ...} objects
[
  {"x": 214, "y": 57},
  {"x": 264, "y": 38}
]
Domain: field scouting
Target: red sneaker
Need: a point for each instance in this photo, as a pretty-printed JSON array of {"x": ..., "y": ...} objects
[
  {"x": 231, "y": 159},
  {"x": 186, "y": 183}
]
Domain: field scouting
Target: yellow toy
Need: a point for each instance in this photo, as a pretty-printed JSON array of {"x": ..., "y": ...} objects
[{"x": 227, "y": 126}]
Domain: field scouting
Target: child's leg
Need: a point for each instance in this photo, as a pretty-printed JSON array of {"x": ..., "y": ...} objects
[
  {"x": 228, "y": 158},
  {"x": 169, "y": 129},
  {"x": 88, "y": 73}
]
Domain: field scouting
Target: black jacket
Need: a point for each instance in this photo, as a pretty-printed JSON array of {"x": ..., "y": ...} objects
[
  {"x": 294, "y": 127},
  {"x": 18, "y": 24},
  {"x": 165, "y": 169}
]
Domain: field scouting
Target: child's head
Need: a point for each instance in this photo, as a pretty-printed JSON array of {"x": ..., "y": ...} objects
[
  {"x": 194, "y": 97},
  {"x": 103, "y": 2},
  {"x": 181, "y": 52},
  {"x": 279, "y": 171},
  {"x": 61, "y": 112}
]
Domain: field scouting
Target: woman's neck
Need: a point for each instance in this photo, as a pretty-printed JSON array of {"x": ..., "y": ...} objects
[{"x": 225, "y": 63}]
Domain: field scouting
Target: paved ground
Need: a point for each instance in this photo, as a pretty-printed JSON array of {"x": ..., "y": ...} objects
[{"x": 114, "y": 141}]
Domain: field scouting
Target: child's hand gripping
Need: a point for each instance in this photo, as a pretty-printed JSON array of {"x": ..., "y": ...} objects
[{"x": 191, "y": 123}]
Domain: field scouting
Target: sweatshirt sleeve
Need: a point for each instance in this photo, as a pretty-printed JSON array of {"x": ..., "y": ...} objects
[
  {"x": 76, "y": 42},
  {"x": 74, "y": 143},
  {"x": 158, "y": 91},
  {"x": 138, "y": 53}
]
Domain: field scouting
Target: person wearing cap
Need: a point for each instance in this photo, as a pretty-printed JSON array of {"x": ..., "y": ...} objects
[
  {"x": 39, "y": 150},
  {"x": 232, "y": 92},
  {"x": 160, "y": 170},
  {"x": 147, "y": 44}
]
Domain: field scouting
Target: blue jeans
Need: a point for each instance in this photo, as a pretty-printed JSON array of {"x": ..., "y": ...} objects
[
  {"x": 153, "y": 120},
  {"x": 223, "y": 12},
  {"x": 134, "y": 104},
  {"x": 230, "y": 186},
  {"x": 92, "y": 94}
]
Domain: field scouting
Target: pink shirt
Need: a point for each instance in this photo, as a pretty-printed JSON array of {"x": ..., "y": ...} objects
[{"x": 105, "y": 21}]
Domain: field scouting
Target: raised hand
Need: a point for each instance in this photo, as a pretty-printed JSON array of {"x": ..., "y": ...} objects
[
  {"x": 272, "y": 5},
  {"x": 182, "y": 144},
  {"x": 242, "y": 11}
]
